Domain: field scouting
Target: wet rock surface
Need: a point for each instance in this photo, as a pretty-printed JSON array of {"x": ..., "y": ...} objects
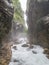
[
  {"x": 43, "y": 31},
  {"x": 16, "y": 60},
  {"x": 34, "y": 52},
  {"x": 47, "y": 56},
  {"x": 46, "y": 51},
  {"x": 38, "y": 22},
  {"x": 31, "y": 47},
  {"x": 25, "y": 45},
  {"x": 14, "y": 47},
  {"x": 6, "y": 16}
]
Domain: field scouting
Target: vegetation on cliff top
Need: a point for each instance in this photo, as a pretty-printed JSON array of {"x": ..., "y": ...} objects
[{"x": 18, "y": 12}]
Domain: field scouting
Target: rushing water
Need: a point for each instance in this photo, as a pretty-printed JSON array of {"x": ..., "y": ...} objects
[{"x": 25, "y": 55}]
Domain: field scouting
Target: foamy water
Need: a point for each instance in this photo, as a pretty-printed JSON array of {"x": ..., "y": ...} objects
[{"x": 25, "y": 56}]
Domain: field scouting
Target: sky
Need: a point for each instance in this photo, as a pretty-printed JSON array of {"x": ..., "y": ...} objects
[{"x": 23, "y": 5}]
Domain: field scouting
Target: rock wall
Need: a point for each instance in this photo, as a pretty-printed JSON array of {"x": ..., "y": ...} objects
[
  {"x": 6, "y": 15},
  {"x": 36, "y": 10}
]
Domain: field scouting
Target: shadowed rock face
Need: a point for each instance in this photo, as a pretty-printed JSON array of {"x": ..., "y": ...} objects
[
  {"x": 36, "y": 10},
  {"x": 6, "y": 15},
  {"x": 42, "y": 31}
]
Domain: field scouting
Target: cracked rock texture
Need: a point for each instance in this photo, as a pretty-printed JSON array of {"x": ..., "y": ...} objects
[
  {"x": 38, "y": 22},
  {"x": 6, "y": 16}
]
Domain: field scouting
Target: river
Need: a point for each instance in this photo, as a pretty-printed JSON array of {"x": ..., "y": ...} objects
[{"x": 22, "y": 54}]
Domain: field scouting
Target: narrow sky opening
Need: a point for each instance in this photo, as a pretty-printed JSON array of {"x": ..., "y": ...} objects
[{"x": 23, "y": 5}]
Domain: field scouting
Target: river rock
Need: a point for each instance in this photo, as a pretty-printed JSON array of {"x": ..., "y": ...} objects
[{"x": 25, "y": 45}]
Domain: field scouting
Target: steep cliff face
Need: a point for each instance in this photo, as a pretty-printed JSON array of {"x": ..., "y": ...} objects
[
  {"x": 36, "y": 10},
  {"x": 42, "y": 31},
  {"x": 6, "y": 15}
]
